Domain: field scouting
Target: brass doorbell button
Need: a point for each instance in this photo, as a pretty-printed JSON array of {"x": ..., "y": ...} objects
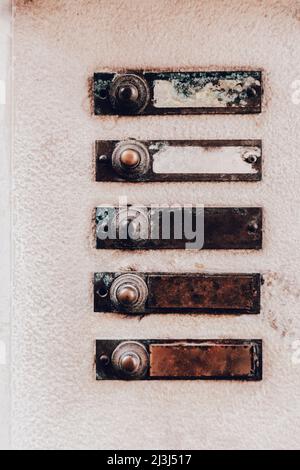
[
  {"x": 129, "y": 94},
  {"x": 129, "y": 292},
  {"x": 130, "y": 360},
  {"x": 130, "y": 159}
]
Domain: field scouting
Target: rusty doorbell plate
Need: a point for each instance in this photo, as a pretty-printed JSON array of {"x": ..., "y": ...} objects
[
  {"x": 179, "y": 360},
  {"x": 178, "y": 160},
  {"x": 150, "y": 293},
  {"x": 228, "y": 228},
  {"x": 148, "y": 93}
]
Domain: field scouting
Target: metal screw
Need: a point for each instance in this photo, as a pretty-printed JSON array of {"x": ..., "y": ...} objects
[
  {"x": 252, "y": 227},
  {"x": 251, "y": 159},
  {"x": 104, "y": 360}
]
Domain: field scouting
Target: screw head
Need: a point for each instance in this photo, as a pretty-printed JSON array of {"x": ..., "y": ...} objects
[
  {"x": 252, "y": 227},
  {"x": 251, "y": 159},
  {"x": 104, "y": 359}
]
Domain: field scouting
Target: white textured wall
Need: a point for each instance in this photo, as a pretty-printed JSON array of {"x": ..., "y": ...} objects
[
  {"x": 57, "y": 403},
  {"x": 5, "y": 233}
]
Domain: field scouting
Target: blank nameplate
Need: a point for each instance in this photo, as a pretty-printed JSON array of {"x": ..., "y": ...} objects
[{"x": 178, "y": 160}]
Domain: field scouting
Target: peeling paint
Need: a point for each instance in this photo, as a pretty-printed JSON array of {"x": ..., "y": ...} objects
[{"x": 205, "y": 90}]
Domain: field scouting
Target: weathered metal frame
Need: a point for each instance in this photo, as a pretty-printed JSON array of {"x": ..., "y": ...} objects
[
  {"x": 105, "y": 171},
  {"x": 231, "y": 228},
  {"x": 231, "y": 288},
  {"x": 253, "y": 97},
  {"x": 106, "y": 348}
]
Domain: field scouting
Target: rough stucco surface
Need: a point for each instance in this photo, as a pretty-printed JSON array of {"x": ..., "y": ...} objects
[
  {"x": 5, "y": 235},
  {"x": 57, "y": 403}
]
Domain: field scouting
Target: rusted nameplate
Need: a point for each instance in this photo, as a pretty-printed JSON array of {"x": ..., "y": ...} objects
[
  {"x": 145, "y": 93},
  {"x": 232, "y": 294},
  {"x": 178, "y": 160},
  {"x": 179, "y": 228},
  {"x": 179, "y": 360}
]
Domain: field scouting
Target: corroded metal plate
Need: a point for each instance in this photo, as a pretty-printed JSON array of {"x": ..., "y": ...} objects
[
  {"x": 232, "y": 294},
  {"x": 222, "y": 228},
  {"x": 145, "y": 93},
  {"x": 188, "y": 359},
  {"x": 185, "y": 160}
]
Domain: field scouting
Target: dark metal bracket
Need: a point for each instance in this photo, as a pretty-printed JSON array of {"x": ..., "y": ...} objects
[
  {"x": 152, "y": 293},
  {"x": 223, "y": 228},
  {"x": 134, "y": 161},
  {"x": 179, "y": 360},
  {"x": 150, "y": 93}
]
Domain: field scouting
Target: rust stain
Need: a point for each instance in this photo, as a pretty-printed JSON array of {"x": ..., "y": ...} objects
[
  {"x": 20, "y": 3},
  {"x": 296, "y": 15},
  {"x": 26, "y": 4},
  {"x": 285, "y": 283},
  {"x": 282, "y": 325},
  {"x": 279, "y": 287},
  {"x": 207, "y": 360},
  {"x": 90, "y": 97},
  {"x": 234, "y": 292},
  {"x": 45, "y": 6}
]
